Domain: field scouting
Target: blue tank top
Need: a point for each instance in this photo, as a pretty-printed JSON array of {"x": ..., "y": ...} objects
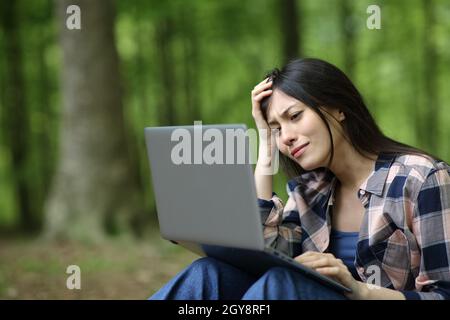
[{"x": 343, "y": 246}]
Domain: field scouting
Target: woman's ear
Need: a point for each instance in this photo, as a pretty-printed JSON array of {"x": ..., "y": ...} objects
[{"x": 341, "y": 116}]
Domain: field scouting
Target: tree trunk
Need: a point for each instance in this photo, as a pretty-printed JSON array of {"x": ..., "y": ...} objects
[
  {"x": 94, "y": 185},
  {"x": 15, "y": 115},
  {"x": 136, "y": 139},
  {"x": 290, "y": 30}
]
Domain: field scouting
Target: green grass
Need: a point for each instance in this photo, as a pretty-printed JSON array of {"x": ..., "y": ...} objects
[{"x": 117, "y": 269}]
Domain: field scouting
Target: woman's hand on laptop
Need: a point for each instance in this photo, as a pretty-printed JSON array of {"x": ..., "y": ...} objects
[{"x": 328, "y": 265}]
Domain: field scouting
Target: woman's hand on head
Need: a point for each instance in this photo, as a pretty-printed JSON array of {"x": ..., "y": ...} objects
[
  {"x": 328, "y": 265},
  {"x": 261, "y": 90}
]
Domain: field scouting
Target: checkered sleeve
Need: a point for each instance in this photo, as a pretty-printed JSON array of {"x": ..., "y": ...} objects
[
  {"x": 281, "y": 224},
  {"x": 431, "y": 225}
]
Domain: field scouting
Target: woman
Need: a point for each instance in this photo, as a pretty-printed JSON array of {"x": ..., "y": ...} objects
[{"x": 368, "y": 211}]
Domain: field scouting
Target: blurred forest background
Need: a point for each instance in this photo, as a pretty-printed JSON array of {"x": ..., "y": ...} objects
[{"x": 74, "y": 177}]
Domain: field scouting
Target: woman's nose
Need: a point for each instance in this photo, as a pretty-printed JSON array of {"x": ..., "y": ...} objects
[{"x": 287, "y": 137}]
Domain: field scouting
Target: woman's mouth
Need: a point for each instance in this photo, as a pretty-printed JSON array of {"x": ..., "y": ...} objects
[{"x": 297, "y": 152}]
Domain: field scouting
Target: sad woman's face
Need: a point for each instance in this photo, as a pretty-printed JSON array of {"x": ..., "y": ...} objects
[{"x": 303, "y": 136}]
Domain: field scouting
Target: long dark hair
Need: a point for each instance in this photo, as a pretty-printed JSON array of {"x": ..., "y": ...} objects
[{"x": 321, "y": 85}]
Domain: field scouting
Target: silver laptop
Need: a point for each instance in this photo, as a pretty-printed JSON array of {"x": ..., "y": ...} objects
[{"x": 206, "y": 198}]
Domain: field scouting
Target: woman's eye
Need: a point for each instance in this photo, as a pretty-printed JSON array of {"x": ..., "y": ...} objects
[{"x": 295, "y": 115}]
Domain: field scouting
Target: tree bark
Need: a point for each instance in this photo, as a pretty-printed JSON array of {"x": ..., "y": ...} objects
[{"x": 94, "y": 186}]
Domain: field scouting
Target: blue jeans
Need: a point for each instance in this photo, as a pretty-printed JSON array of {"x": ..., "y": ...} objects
[{"x": 211, "y": 279}]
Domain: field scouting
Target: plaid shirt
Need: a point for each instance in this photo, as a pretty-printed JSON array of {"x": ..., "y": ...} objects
[{"x": 405, "y": 230}]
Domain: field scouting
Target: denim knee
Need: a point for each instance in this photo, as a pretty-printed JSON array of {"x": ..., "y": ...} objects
[
  {"x": 197, "y": 281},
  {"x": 280, "y": 273},
  {"x": 276, "y": 272},
  {"x": 286, "y": 284},
  {"x": 277, "y": 275},
  {"x": 272, "y": 285},
  {"x": 205, "y": 263},
  {"x": 296, "y": 278},
  {"x": 214, "y": 279}
]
